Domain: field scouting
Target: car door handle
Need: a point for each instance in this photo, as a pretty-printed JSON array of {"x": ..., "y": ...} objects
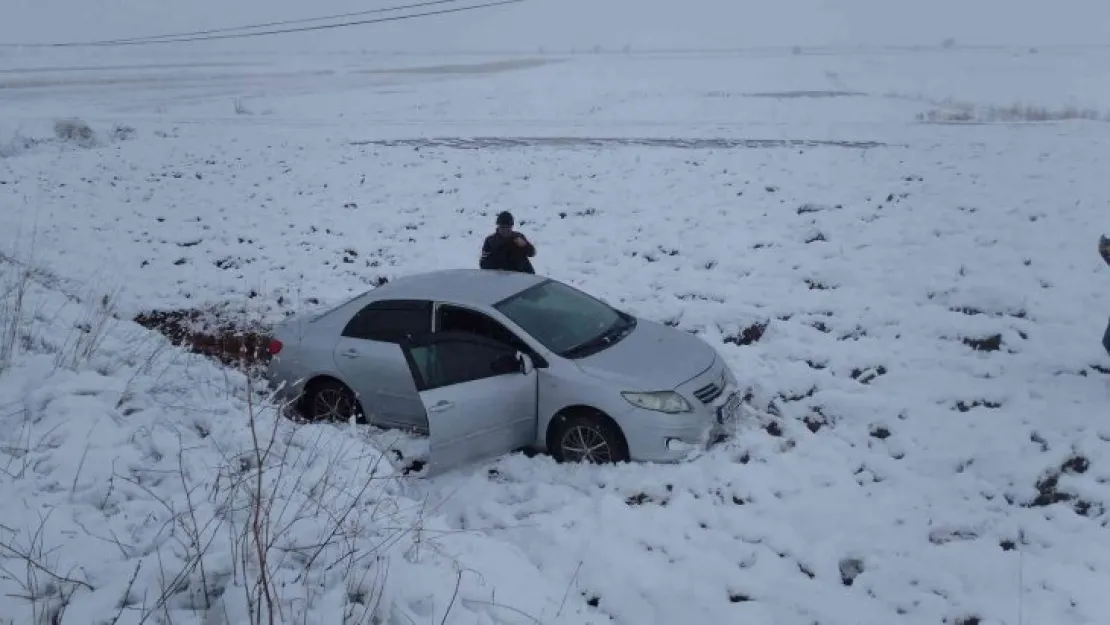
[
  {"x": 442, "y": 406},
  {"x": 350, "y": 353}
]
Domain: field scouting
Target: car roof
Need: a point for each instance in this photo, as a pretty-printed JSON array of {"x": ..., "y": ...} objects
[{"x": 474, "y": 287}]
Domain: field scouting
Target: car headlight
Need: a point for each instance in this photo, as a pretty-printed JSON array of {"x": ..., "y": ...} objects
[
  {"x": 730, "y": 377},
  {"x": 660, "y": 401}
]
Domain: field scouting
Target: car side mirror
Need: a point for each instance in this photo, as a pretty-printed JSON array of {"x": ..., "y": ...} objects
[{"x": 526, "y": 364}]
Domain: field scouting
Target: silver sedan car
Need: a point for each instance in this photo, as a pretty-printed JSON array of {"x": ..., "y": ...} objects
[{"x": 488, "y": 362}]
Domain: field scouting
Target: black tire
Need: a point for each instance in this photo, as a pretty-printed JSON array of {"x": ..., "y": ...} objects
[
  {"x": 588, "y": 437},
  {"x": 330, "y": 401}
]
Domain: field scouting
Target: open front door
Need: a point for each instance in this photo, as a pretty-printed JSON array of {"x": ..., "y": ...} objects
[{"x": 480, "y": 397}]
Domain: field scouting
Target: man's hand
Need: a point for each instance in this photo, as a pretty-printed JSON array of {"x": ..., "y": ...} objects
[{"x": 520, "y": 241}]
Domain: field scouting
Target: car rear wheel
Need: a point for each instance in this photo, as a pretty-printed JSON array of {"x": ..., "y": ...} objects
[
  {"x": 589, "y": 437},
  {"x": 330, "y": 401}
]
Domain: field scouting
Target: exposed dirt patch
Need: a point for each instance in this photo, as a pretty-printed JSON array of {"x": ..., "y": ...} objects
[
  {"x": 967, "y": 406},
  {"x": 805, "y": 570},
  {"x": 816, "y": 419},
  {"x": 748, "y": 335},
  {"x": 794, "y": 397},
  {"x": 974, "y": 312},
  {"x": 1049, "y": 492},
  {"x": 854, "y": 335},
  {"x": 880, "y": 432},
  {"x": 476, "y": 143},
  {"x": 808, "y": 208},
  {"x": 486, "y": 67},
  {"x": 1076, "y": 464},
  {"x": 814, "y": 422},
  {"x": 850, "y": 569},
  {"x": 865, "y": 375},
  {"x": 805, "y": 94},
  {"x": 944, "y": 536},
  {"x": 991, "y": 343},
  {"x": 820, "y": 326},
  {"x": 207, "y": 333},
  {"x": 638, "y": 499}
]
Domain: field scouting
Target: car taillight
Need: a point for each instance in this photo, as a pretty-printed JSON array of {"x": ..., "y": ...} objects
[{"x": 275, "y": 347}]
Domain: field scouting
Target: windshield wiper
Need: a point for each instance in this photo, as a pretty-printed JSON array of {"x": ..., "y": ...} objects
[{"x": 614, "y": 333}]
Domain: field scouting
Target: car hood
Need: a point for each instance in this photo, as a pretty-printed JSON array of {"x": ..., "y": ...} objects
[{"x": 654, "y": 357}]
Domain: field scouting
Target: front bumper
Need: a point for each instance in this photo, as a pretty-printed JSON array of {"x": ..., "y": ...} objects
[{"x": 668, "y": 438}]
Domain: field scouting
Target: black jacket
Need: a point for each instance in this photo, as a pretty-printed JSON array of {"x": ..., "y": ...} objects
[{"x": 500, "y": 252}]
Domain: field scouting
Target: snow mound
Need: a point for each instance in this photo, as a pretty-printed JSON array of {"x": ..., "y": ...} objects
[{"x": 144, "y": 484}]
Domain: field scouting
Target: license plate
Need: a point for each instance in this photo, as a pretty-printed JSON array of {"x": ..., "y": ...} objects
[{"x": 730, "y": 410}]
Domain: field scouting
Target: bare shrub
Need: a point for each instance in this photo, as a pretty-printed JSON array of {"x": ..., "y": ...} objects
[
  {"x": 48, "y": 591},
  {"x": 262, "y": 540},
  {"x": 1025, "y": 112},
  {"x": 952, "y": 111},
  {"x": 97, "y": 319},
  {"x": 956, "y": 111},
  {"x": 76, "y": 131},
  {"x": 122, "y": 132},
  {"x": 287, "y": 519},
  {"x": 16, "y": 144}
]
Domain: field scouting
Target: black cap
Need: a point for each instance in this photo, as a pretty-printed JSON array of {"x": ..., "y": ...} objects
[{"x": 505, "y": 218}]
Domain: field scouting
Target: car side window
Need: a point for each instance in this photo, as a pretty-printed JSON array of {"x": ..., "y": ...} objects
[
  {"x": 454, "y": 319},
  {"x": 458, "y": 360},
  {"x": 391, "y": 321}
]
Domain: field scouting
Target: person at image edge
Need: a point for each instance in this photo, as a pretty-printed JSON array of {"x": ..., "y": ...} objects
[{"x": 1104, "y": 251}]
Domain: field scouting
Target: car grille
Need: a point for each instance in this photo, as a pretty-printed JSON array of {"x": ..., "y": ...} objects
[{"x": 707, "y": 394}]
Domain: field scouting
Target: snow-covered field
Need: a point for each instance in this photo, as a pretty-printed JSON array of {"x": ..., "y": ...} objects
[{"x": 916, "y": 306}]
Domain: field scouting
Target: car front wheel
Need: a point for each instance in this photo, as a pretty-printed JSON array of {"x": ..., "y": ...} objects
[{"x": 591, "y": 438}]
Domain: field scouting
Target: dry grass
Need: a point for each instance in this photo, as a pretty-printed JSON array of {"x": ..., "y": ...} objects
[
  {"x": 259, "y": 529},
  {"x": 259, "y": 515},
  {"x": 13, "y": 298}
]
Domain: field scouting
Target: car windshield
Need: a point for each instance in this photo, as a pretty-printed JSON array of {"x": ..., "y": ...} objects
[{"x": 561, "y": 317}]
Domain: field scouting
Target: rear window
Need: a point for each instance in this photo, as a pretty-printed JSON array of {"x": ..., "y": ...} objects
[
  {"x": 391, "y": 321},
  {"x": 331, "y": 309}
]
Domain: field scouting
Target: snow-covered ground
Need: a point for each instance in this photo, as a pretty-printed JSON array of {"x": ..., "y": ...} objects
[{"x": 916, "y": 306}]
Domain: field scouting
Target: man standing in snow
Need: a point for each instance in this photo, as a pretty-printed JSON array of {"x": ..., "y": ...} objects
[
  {"x": 507, "y": 249},
  {"x": 1104, "y": 251}
]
